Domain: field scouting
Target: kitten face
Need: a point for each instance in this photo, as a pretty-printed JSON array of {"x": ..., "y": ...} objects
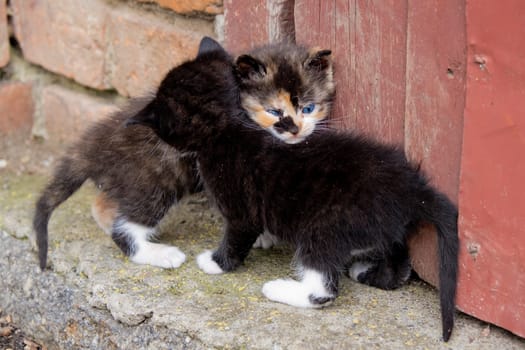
[{"x": 286, "y": 89}]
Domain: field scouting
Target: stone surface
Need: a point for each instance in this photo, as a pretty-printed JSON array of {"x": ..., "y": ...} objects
[
  {"x": 93, "y": 298},
  {"x": 209, "y": 7},
  {"x": 66, "y": 113},
  {"x": 105, "y": 45},
  {"x": 16, "y": 108},
  {"x": 142, "y": 48},
  {"x": 4, "y": 36}
]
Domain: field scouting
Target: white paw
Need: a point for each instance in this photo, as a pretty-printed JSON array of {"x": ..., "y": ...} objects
[
  {"x": 160, "y": 255},
  {"x": 309, "y": 293},
  {"x": 358, "y": 268},
  {"x": 207, "y": 264},
  {"x": 287, "y": 292},
  {"x": 266, "y": 240}
]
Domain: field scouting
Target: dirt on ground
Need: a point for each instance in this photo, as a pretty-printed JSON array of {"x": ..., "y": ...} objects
[{"x": 13, "y": 338}]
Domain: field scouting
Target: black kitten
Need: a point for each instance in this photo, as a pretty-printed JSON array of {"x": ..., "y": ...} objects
[
  {"x": 139, "y": 177},
  {"x": 334, "y": 196}
]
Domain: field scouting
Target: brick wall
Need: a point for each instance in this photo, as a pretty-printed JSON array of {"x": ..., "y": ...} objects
[{"x": 70, "y": 62}]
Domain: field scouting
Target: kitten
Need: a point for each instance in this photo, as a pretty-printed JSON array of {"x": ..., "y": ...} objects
[
  {"x": 265, "y": 94},
  {"x": 139, "y": 178},
  {"x": 283, "y": 94},
  {"x": 332, "y": 196}
]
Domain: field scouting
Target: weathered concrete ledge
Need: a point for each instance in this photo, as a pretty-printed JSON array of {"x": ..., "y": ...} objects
[{"x": 93, "y": 298}]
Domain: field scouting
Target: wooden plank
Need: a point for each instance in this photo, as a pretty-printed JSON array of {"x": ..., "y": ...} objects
[
  {"x": 435, "y": 98},
  {"x": 328, "y": 25},
  {"x": 492, "y": 190},
  {"x": 368, "y": 42},
  {"x": 245, "y": 24},
  {"x": 281, "y": 24},
  {"x": 436, "y": 88},
  {"x": 251, "y": 23},
  {"x": 380, "y": 58}
]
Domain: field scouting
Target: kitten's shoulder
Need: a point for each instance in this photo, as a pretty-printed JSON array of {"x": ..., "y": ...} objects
[{"x": 331, "y": 141}]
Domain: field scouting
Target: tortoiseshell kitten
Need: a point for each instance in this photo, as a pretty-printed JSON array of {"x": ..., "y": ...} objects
[
  {"x": 284, "y": 95},
  {"x": 290, "y": 109},
  {"x": 332, "y": 196}
]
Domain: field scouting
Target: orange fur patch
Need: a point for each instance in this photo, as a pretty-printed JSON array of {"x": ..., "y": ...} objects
[
  {"x": 263, "y": 119},
  {"x": 285, "y": 103},
  {"x": 258, "y": 114},
  {"x": 104, "y": 211}
]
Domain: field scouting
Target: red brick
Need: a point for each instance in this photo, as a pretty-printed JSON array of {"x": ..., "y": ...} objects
[
  {"x": 105, "y": 45},
  {"x": 16, "y": 107},
  {"x": 64, "y": 36},
  {"x": 143, "y": 47},
  {"x": 210, "y": 7},
  {"x": 4, "y": 37},
  {"x": 68, "y": 113}
]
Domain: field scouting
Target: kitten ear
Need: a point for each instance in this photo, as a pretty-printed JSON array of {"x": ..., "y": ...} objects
[
  {"x": 208, "y": 45},
  {"x": 319, "y": 60},
  {"x": 248, "y": 67}
]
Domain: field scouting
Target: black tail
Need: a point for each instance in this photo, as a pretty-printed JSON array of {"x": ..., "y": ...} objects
[
  {"x": 441, "y": 212},
  {"x": 65, "y": 182}
]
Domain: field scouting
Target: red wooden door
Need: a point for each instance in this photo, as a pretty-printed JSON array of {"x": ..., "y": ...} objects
[{"x": 401, "y": 77}]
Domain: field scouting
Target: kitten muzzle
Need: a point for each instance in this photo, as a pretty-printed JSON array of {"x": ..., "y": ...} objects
[{"x": 286, "y": 124}]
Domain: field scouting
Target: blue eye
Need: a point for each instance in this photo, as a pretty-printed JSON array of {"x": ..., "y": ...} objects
[
  {"x": 308, "y": 108},
  {"x": 275, "y": 112}
]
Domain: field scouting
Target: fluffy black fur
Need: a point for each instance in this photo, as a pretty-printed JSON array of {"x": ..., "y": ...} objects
[
  {"x": 134, "y": 168},
  {"x": 331, "y": 194}
]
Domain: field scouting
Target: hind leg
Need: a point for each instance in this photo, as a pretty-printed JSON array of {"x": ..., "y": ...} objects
[
  {"x": 104, "y": 211},
  {"x": 133, "y": 240},
  {"x": 391, "y": 272}
]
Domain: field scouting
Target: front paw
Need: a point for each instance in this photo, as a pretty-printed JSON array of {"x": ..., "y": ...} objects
[
  {"x": 207, "y": 264},
  {"x": 295, "y": 293}
]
